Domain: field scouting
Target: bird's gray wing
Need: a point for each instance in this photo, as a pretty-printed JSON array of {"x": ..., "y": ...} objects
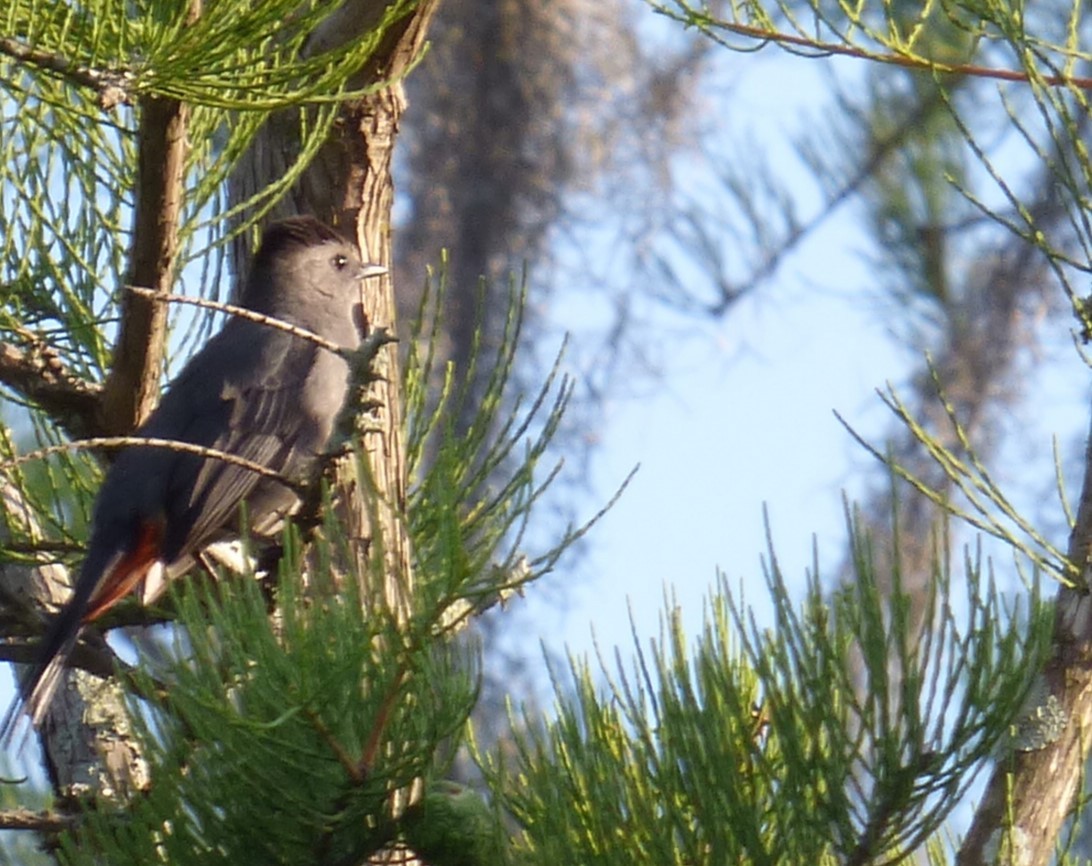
[{"x": 241, "y": 400}]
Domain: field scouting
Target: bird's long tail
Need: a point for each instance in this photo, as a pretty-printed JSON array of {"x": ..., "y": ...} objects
[
  {"x": 105, "y": 578},
  {"x": 39, "y": 687}
]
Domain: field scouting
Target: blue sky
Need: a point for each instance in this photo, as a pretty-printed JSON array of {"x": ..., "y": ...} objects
[
  {"x": 741, "y": 422},
  {"x": 741, "y": 418}
]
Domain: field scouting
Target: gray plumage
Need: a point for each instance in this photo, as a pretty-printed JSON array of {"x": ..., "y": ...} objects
[{"x": 252, "y": 391}]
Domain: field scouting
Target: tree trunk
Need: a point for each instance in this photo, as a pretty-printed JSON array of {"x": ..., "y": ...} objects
[
  {"x": 349, "y": 185},
  {"x": 1036, "y": 787}
]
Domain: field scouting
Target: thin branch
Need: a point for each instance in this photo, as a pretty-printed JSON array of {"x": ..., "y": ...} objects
[
  {"x": 375, "y": 737},
  {"x": 38, "y": 373},
  {"x": 93, "y": 656},
  {"x": 113, "y": 86},
  {"x": 50, "y": 545},
  {"x": 356, "y": 772},
  {"x": 149, "y": 442},
  {"x": 819, "y": 48},
  {"x": 244, "y": 313}
]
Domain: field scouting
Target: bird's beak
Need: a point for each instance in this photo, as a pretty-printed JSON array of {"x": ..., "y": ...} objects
[{"x": 370, "y": 270}]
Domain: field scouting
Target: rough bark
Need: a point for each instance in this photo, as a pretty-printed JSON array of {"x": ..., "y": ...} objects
[
  {"x": 1033, "y": 791},
  {"x": 86, "y": 741},
  {"x": 369, "y": 196}
]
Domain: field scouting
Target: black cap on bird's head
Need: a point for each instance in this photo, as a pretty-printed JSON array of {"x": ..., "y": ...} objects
[{"x": 294, "y": 233}]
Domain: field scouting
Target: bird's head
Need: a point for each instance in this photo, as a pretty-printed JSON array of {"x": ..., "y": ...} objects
[{"x": 303, "y": 269}]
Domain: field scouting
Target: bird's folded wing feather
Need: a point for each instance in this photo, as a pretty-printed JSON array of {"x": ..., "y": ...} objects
[{"x": 253, "y": 414}]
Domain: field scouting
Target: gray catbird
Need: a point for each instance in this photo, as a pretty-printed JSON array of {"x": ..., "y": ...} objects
[{"x": 253, "y": 391}]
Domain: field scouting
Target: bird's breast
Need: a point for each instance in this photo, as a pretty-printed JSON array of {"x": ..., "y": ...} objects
[{"x": 323, "y": 395}]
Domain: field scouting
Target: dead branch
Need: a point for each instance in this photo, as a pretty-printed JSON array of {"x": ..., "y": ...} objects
[
  {"x": 44, "y": 822},
  {"x": 112, "y": 85},
  {"x": 38, "y": 373}
]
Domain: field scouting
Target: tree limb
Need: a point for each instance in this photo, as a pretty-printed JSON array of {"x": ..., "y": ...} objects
[
  {"x": 94, "y": 656},
  {"x": 27, "y": 819},
  {"x": 38, "y": 373},
  {"x": 132, "y": 389}
]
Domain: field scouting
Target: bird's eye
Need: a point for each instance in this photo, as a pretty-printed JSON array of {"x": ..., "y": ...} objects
[{"x": 340, "y": 261}]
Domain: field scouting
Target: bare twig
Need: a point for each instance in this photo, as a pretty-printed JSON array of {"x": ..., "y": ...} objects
[
  {"x": 112, "y": 85},
  {"x": 244, "y": 313},
  {"x": 148, "y": 442},
  {"x": 356, "y": 772},
  {"x": 94, "y": 656},
  {"x": 820, "y": 48}
]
